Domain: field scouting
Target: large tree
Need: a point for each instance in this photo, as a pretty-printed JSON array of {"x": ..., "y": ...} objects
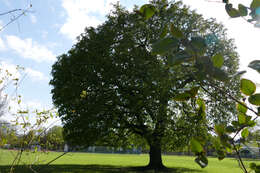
[{"x": 111, "y": 85}]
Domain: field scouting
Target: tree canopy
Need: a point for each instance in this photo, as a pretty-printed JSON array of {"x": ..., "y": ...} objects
[{"x": 112, "y": 84}]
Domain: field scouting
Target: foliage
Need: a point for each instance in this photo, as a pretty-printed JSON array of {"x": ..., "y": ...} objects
[
  {"x": 8, "y": 133},
  {"x": 251, "y": 14},
  {"x": 52, "y": 139},
  {"x": 227, "y": 134},
  {"x": 130, "y": 76}
]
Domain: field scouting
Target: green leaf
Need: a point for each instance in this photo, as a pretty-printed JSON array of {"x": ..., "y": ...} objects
[
  {"x": 221, "y": 154},
  {"x": 235, "y": 123},
  {"x": 182, "y": 97},
  {"x": 164, "y": 31},
  {"x": 257, "y": 169},
  {"x": 180, "y": 57},
  {"x": 242, "y": 10},
  {"x": 242, "y": 109},
  {"x": 251, "y": 123},
  {"x": 247, "y": 87},
  {"x": 202, "y": 161},
  {"x": 245, "y": 133},
  {"x": 201, "y": 104},
  {"x": 255, "y": 99},
  {"x": 217, "y": 60},
  {"x": 22, "y": 112},
  {"x": 205, "y": 64},
  {"x": 239, "y": 73},
  {"x": 198, "y": 45},
  {"x": 219, "y": 74},
  {"x": 241, "y": 119},
  {"x": 252, "y": 166},
  {"x": 83, "y": 94},
  {"x": 201, "y": 109},
  {"x": 147, "y": 11},
  {"x": 225, "y": 1},
  {"x": 255, "y": 4},
  {"x": 164, "y": 45},
  {"x": 255, "y": 65},
  {"x": 230, "y": 129},
  {"x": 176, "y": 32},
  {"x": 193, "y": 92},
  {"x": 225, "y": 140},
  {"x": 219, "y": 129},
  {"x": 232, "y": 12},
  {"x": 195, "y": 146}
]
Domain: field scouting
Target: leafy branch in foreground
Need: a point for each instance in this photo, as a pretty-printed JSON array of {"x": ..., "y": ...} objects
[
  {"x": 251, "y": 14},
  {"x": 209, "y": 72}
]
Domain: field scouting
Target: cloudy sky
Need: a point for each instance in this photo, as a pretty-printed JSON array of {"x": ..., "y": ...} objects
[{"x": 51, "y": 26}]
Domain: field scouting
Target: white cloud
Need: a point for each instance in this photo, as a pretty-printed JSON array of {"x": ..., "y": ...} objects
[
  {"x": 82, "y": 13},
  {"x": 33, "y": 18},
  {"x": 2, "y": 44},
  {"x": 30, "y": 106},
  {"x": 36, "y": 75},
  {"x": 29, "y": 49}
]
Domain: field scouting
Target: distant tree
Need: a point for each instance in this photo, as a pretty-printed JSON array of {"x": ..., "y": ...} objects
[
  {"x": 8, "y": 133},
  {"x": 111, "y": 85},
  {"x": 52, "y": 139}
]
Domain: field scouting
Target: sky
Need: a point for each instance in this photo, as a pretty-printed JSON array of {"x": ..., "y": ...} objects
[{"x": 49, "y": 28}]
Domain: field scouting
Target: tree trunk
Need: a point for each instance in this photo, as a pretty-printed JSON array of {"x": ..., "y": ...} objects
[{"x": 155, "y": 157}]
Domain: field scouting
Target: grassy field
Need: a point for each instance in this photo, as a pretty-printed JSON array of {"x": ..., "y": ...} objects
[{"x": 108, "y": 163}]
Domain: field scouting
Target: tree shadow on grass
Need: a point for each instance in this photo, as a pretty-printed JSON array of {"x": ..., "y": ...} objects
[{"x": 92, "y": 169}]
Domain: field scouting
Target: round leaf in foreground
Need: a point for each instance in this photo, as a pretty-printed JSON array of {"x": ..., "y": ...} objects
[
  {"x": 252, "y": 166},
  {"x": 255, "y": 4},
  {"x": 241, "y": 108},
  {"x": 255, "y": 65},
  {"x": 232, "y": 12},
  {"x": 245, "y": 133},
  {"x": 242, "y": 10},
  {"x": 255, "y": 99},
  {"x": 241, "y": 119},
  {"x": 147, "y": 10},
  {"x": 164, "y": 45},
  {"x": 195, "y": 146},
  {"x": 202, "y": 161},
  {"x": 247, "y": 87},
  {"x": 217, "y": 60},
  {"x": 176, "y": 32}
]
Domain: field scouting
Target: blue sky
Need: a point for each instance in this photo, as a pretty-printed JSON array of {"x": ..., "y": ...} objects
[
  {"x": 37, "y": 38},
  {"x": 50, "y": 28}
]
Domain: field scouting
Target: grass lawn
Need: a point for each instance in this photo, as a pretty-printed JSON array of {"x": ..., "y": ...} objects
[{"x": 108, "y": 163}]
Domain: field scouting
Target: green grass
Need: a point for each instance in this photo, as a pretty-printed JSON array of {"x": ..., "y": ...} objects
[{"x": 103, "y": 163}]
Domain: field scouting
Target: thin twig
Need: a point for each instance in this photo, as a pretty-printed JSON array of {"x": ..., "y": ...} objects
[
  {"x": 233, "y": 98},
  {"x": 16, "y": 17},
  {"x": 239, "y": 158},
  {"x": 11, "y": 11}
]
